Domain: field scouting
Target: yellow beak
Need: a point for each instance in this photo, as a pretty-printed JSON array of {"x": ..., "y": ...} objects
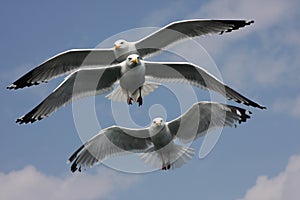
[
  {"x": 116, "y": 46},
  {"x": 158, "y": 123},
  {"x": 135, "y": 61}
]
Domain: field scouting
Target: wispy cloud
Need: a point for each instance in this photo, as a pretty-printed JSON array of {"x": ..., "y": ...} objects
[
  {"x": 29, "y": 183},
  {"x": 289, "y": 106},
  {"x": 264, "y": 53},
  {"x": 162, "y": 15},
  {"x": 281, "y": 187},
  {"x": 266, "y": 13},
  {"x": 38, "y": 92}
]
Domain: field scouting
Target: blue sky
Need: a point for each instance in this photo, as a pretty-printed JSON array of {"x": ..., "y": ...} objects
[{"x": 258, "y": 160}]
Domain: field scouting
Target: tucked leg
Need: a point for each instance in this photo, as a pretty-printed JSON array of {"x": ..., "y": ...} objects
[
  {"x": 129, "y": 100},
  {"x": 163, "y": 162},
  {"x": 140, "y": 99},
  {"x": 168, "y": 166}
]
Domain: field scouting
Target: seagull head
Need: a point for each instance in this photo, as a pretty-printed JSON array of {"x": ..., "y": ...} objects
[
  {"x": 158, "y": 123},
  {"x": 132, "y": 60},
  {"x": 120, "y": 44},
  {"x": 156, "y": 126}
]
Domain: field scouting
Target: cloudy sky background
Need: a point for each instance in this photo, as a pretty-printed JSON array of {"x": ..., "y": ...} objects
[{"x": 257, "y": 160}]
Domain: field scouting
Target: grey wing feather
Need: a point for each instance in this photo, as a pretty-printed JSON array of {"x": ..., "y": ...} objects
[
  {"x": 188, "y": 73},
  {"x": 204, "y": 116},
  {"x": 179, "y": 30},
  {"x": 109, "y": 142},
  {"x": 63, "y": 63},
  {"x": 84, "y": 82}
]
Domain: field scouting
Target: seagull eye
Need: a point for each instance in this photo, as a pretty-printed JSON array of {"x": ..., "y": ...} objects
[
  {"x": 121, "y": 42},
  {"x": 129, "y": 59},
  {"x": 160, "y": 120}
]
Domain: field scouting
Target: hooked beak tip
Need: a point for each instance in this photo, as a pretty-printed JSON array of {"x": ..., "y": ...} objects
[
  {"x": 136, "y": 61},
  {"x": 117, "y": 46}
]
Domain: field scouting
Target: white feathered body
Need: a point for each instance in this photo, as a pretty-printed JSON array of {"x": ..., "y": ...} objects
[
  {"x": 165, "y": 151},
  {"x": 130, "y": 82},
  {"x": 133, "y": 78}
]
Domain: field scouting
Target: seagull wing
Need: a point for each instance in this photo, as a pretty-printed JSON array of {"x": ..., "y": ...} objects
[
  {"x": 194, "y": 75},
  {"x": 110, "y": 142},
  {"x": 179, "y": 30},
  {"x": 84, "y": 82},
  {"x": 63, "y": 63},
  {"x": 204, "y": 116}
]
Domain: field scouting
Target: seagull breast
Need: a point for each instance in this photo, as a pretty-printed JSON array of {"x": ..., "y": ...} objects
[
  {"x": 160, "y": 135},
  {"x": 133, "y": 78}
]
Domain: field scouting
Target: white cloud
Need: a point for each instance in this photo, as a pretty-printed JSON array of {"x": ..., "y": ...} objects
[
  {"x": 284, "y": 186},
  {"x": 290, "y": 106},
  {"x": 162, "y": 15},
  {"x": 264, "y": 53},
  {"x": 266, "y": 12},
  {"x": 29, "y": 183}
]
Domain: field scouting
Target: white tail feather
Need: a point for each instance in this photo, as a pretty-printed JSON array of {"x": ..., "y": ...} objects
[
  {"x": 172, "y": 154},
  {"x": 120, "y": 95}
]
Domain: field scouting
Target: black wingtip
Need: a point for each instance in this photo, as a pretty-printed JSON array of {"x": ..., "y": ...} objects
[
  {"x": 31, "y": 116},
  {"x": 244, "y": 114},
  {"x": 238, "y": 98},
  {"x": 255, "y": 105},
  {"x": 250, "y": 22},
  {"x": 25, "y": 120},
  {"x": 11, "y": 87},
  {"x": 26, "y": 80},
  {"x": 19, "y": 84},
  {"x": 19, "y": 121},
  {"x": 263, "y": 107},
  {"x": 74, "y": 168},
  {"x": 74, "y": 155},
  {"x": 28, "y": 118},
  {"x": 72, "y": 158},
  {"x": 237, "y": 25}
]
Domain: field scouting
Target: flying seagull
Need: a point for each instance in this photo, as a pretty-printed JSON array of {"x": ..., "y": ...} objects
[
  {"x": 134, "y": 76},
  {"x": 74, "y": 59},
  {"x": 157, "y": 141}
]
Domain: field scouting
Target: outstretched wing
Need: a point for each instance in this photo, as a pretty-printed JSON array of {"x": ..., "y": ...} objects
[
  {"x": 63, "y": 63},
  {"x": 107, "y": 143},
  {"x": 179, "y": 30},
  {"x": 194, "y": 75},
  {"x": 84, "y": 82},
  {"x": 204, "y": 116}
]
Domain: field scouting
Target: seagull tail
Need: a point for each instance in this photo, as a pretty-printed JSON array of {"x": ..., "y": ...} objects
[
  {"x": 181, "y": 155},
  {"x": 147, "y": 88},
  {"x": 173, "y": 154},
  {"x": 119, "y": 95}
]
